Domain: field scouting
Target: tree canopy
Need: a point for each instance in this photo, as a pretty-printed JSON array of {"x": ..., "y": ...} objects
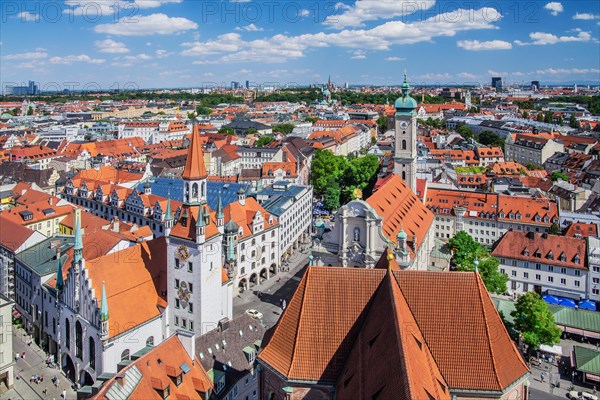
[
  {"x": 556, "y": 175},
  {"x": 465, "y": 132},
  {"x": 226, "y": 131},
  {"x": 264, "y": 140},
  {"x": 490, "y": 138},
  {"x": 336, "y": 177},
  {"x": 465, "y": 250},
  {"x": 535, "y": 321},
  {"x": 201, "y": 110},
  {"x": 286, "y": 128}
]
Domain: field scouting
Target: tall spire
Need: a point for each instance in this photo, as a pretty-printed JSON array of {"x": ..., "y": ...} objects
[
  {"x": 59, "y": 273},
  {"x": 169, "y": 212},
  {"x": 194, "y": 165},
  {"x": 220, "y": 207},
  {"x": 78, "y": 245},
  {"x": 104, "y": 305}
]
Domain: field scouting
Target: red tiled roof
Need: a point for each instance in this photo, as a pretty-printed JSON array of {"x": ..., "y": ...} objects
[
  {"x": 13, "y": 235},
  {"x": 537, "y": 247},
  {"x": 330, "y": 314}
]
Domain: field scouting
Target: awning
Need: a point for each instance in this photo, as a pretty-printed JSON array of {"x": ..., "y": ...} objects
[
  {"x": 550, "y": 299},
  {"x": 551, "y": 349},
  {"x": 588, "y": 305},
  {"x": 567, "y": 303}
]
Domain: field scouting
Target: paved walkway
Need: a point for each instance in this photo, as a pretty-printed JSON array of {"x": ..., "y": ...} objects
[
  {"x": 273, "y": 291},
  {"x": 34, "y": 364}
]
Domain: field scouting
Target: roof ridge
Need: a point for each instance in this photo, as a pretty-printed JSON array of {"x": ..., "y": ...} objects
[
  {"x": 479, "y": 282},
  {"x": 399, "y": 331},
  {"x": 422, "y": 336},
  {"x": 306, "y": 276}
]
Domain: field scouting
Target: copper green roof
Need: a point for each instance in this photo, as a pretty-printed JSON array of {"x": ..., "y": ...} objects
[{"x": 587, "y": 360}]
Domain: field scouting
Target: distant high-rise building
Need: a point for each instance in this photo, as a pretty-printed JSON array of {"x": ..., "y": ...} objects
[
  {"x": 235, "y": 85},
  {"x": 575, "y": 89},
  {"x": 468, "y": 103},
  {"x": 29, "y": 90},
  {"x": 247, "y": 84},
  {"x": 535, "y": 85},
  {"x": 497, "y": 82},
  {"x": 346, "y": 85}
]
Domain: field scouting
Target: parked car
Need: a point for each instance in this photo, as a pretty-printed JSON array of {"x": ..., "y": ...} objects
[
  {"x": 258, "y": 315},
  {"x": 575, "y": 395}
]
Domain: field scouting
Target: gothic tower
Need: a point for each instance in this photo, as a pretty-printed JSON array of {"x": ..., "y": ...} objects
[{"x": 405, "y": 154}]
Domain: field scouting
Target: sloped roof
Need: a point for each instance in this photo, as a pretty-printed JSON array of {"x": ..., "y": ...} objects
[
  {"x": 13, "y": 235},
  {"x": 318, "y": 330},
  {"x": 414, "y": 373},
  {"x": 194, "y": 165},
  {"x": 401, "y": 208}
]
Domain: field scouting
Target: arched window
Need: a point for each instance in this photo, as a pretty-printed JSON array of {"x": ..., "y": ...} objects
[
  {"x": 125, "y": 355},
  {"x": 78, "y": 339},
  {"x": 194, "y": 190},
  {"x": 403, "y": 144},
  {"x": 403, "y": 175},
  {"x": 203, "y": 193},
  {"x": 68, "y": 333},
  {"x": 92, "y": 352},
  {"x": 150, "y": 341}
]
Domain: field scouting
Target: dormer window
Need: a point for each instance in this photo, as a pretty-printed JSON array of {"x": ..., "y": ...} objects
[
  {"x": 526, "y": 252},
  {"x": 576, "y": 259},
  {"x": 550, "y": 255},
  {"x": 562, "y": 257},
  {"x": 546, "y": 219}
]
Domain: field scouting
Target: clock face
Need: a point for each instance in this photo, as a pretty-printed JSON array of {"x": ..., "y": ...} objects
[
  {"x": 184, "y": 294},
  {"x": 403, "y": 124},
  {"x": 183, "y": 253}
]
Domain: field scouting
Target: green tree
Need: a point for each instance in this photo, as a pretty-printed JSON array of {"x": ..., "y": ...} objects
[
  {"x": 535, "y": 321},
  {"x": 573, "y": 122},
  {"x": 250, "y": 131},
  {"x": 359, "y": 174},
  {"x": 202, "y": 110},
  {"x": 560, "y": 120},
  {"x": 533, "y": 166},
  {"x": 466, "y": 251},
  {"x": 539, "y": 117},
  {"x": 382, "y": 123},
  {"x": 30, "y": 111},
  {"x": 465, "y": 132},
  {"x": 525, "y": 115},
  {"x": 324, "y": 165},
  {"x": 226, "y": 131},
  {"x": 331, "y": 196},
  {"x": 556, "y": 175},
  {"x": 264, "y": 140},
  {"x": 312, "y": 120},
  {"x": 285, "y": 128},
  {"x": 554, "y": 229},
  {"x": 489, "y": 138},
  {"x": 548, "y": 117}
]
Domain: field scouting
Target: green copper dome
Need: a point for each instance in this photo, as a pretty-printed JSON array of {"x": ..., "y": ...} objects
[
  {"x": 402, "y": 234},
  {"x": 405, "y": 102}
]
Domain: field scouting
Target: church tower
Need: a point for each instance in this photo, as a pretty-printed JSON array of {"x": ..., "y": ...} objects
[
  {"x": 199, "y": 295},
  {"x": 405, "y": 154}
]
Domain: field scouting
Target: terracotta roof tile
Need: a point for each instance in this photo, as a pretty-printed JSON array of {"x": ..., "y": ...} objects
[{"x": 194, "y": 165}]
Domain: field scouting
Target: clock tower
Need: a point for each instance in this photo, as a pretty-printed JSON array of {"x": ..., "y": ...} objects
[{"x": 405, "y": 152}]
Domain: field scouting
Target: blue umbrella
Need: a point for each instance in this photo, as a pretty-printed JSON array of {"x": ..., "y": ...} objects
[
  {"x": 567, "y": 303},
  {"x": 550, "y": 299},
  {"x": 588, "y": 305}
]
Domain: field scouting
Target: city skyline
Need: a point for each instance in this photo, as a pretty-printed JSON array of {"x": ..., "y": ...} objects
[{"x": 171, "y": 43}]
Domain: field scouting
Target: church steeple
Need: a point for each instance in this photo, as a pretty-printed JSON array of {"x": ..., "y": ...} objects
[
  {"x": 78, "y": 245},
  {"x": 104, "y": 313},
  {"x": 194, "y": 173},
  {"x": 405, "y": 151},
  {"x": 220, "y": 216},
  {"x": 59, "y": 272}
]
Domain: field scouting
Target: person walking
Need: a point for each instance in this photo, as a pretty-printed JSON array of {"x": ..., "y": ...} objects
[{"x": 63, "y": 394}]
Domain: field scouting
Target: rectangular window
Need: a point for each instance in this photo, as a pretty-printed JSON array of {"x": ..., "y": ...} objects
[
  {"x": 563, "y": 281},
  {"x": 183, "y": 323},
  {"x": 576, "y": 283},
  {"x": 176, "y": 321},
  {"x": 514, "y": 273},
  {"x": 191, "y": 308},
  {"x": 550, "y": 279},
  {"x": 191, "y": 286},
  {"x": 176, "y": 303},
  {"x": 191, "y": 325},
  {"x": 538, "y": 266},
  {"x": 538, "y": 277},
  {"x": 176, "y": 262},
  {"x": 550, "y": 268},
  {"x": 577, "y": 272},
  {"x": 526, "y": 275},
  {"x": 563, "y": 270},
  {"x": 190, "y": 267},
  {"x": 502, "y": 271}
]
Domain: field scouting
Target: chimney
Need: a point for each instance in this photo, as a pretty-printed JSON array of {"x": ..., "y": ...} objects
[
  {"x": 115, "y": 225},
  {"x": 120, "y": 378},
  {"x": 188, "y": 340},
  {"x": 50, "y": 200}
]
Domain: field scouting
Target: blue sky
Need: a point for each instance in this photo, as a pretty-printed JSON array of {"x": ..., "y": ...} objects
[{"x": 178, "y": 43}]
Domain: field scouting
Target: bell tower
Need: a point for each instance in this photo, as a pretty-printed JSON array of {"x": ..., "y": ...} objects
[
  {"x": 194, "y": 174},
  {"x": 405, "y": 151}
]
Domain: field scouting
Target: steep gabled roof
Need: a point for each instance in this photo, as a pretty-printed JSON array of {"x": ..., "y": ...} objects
[{"x": 194, "y": 165}]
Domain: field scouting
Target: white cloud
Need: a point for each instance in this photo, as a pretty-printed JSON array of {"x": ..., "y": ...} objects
[
  {"x": 26, "y": 16},
  {"x": 567, "y": 71},
  {"x": 359, "y": 55},
  {"x": 280, "y": 48},
  {"x": 476, "y": 45},
  {"x": 554, "y": 7},
  {"x": 395, "y": 59},
  {"x": 154, "y": 24},
  {"x": 542, "y": 38},
  {"x": 435, "y": 77},
  {"x": 304, "y": 12},
  {"x": 370, "y": 10},
  {"x": 76, "y": 58},
  {"x": 249, "y": 28},
  {"x": 467, "y": 75},
  {"x": 33, "y": 55},
  {"x": 586, "y": 16},
  {"x": 111, "y": 46},
  {"x": 162, "y": 53},
  {"x": 208, "y": 74}
]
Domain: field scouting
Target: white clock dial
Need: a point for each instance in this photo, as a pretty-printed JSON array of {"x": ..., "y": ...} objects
[{"x": 403, "y": 124}]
